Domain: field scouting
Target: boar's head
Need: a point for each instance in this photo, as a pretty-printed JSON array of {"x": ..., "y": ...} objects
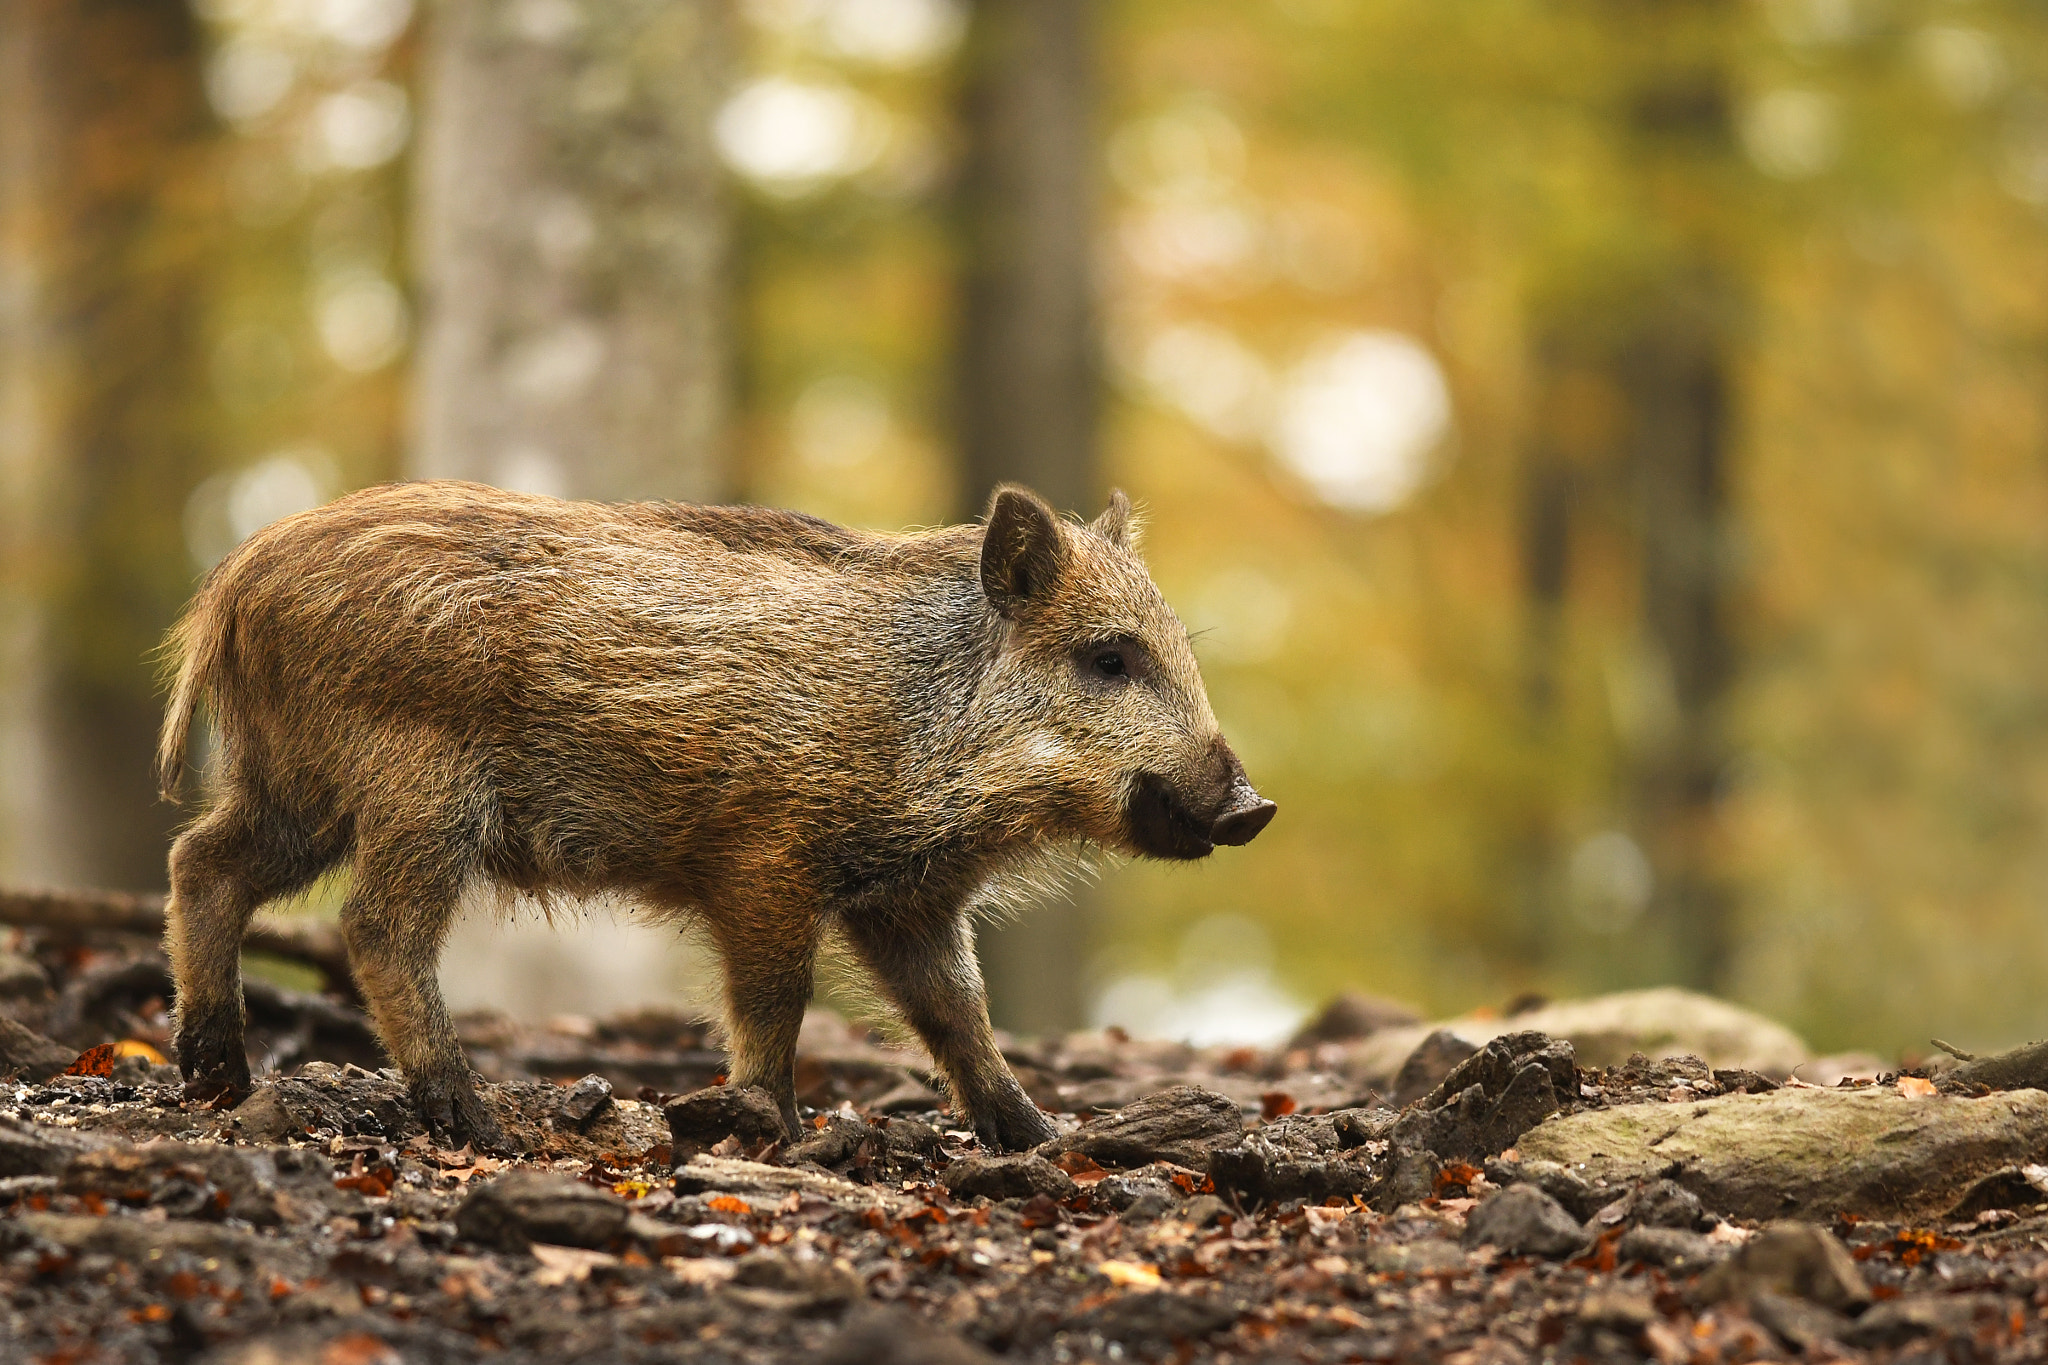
[{"x": 1096, "y": 693}]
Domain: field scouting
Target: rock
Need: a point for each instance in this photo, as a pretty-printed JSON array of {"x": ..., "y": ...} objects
[
  {"x": 1492, "y": 1097},
  {"x": 1666, "y": 1204},
  {"x": 139, "y": 1240},
  {"x": 28, "y": 1054},
  {"x": 185, "y": 1179},
  {"x": 1624, "y": 1308},
  {"x": 1671, "y": 1248},
  {"x": 800, "y": 1284},
  {"x": 1298, "y": 1157},
  {"x": 894, "y": 1337},
  {"x": 1434, "y": 1058},
  {"x": 836, "y": 1144},
  {"x": 1870, "y": 1151},
  {"x": 1800, "y": 1259},
  {"x": 1202, "y": 1210},
  {"x": 1604, "y": 1030},
  {"x": 706, "y": 1118},
  {"x": 1410, "y": 1180},
  {"x": 587, "y": 1099},
  {"x": 1356, "y": 1127},
  {"x": 1137, "y": 1199},
  {"x": 523, "y": 1207},
  {"x": 1581, "y": 1198},
  {"x": 707, "y": 1174},
  {"x": 1797, "y": 1322},
  {"x": 1157, "y": 1316},
  {"x": 1522, "y": 1220},
  {"x": 1178, "y": 1125},
  {"x": 1351, "y": 1016},
  {"x": 31, "y": 1149},
  {"x": 914, "y": 1138},
  {"x": 21, "y": 976},
  {"x": 266, "y": 1118},
  {"x": 1897, "y": 1321},
  {"x": 1008, "y": 1177}
]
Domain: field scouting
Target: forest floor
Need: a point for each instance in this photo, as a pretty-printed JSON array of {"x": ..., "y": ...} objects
[{"x": 1216, "y": 1204}]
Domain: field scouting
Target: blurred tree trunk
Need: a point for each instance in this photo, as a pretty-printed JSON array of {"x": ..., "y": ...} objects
[
  {"x": 573, "y": 240},
  {"x": 574, "y": 248},
  {"x": 104, "y": 197},
  {"x": 1027, "y": 376},
  {"x": 1677, "y": 382}
]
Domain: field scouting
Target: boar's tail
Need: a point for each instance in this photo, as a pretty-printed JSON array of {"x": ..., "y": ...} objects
[{"x": 190, "y": 654}]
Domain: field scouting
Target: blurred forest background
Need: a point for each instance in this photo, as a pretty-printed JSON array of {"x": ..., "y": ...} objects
[{"x": 1602, "y": 445}]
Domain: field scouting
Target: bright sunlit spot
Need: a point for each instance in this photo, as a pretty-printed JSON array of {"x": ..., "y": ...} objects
[
  {"x": 791, "y": 136},
  {"x": 1360, "y": 419}
]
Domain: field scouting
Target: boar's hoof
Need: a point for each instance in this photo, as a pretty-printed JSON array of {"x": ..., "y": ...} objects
[
  {"x": 453, "y": 1114},
  {"x": 1015, "y": 1130},
  {"x": 213, "y": 1064}
]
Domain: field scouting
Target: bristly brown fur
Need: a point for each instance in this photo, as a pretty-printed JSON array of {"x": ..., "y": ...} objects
[{"x": 774, "y": 726}]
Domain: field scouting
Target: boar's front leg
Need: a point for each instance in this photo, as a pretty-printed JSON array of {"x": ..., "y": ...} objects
[
  {"x": 768, "y": 958},
  {"x": 394, "y": 922},
  {"x": 930, "y": 973}
]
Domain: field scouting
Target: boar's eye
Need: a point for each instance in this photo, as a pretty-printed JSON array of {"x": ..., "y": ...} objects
[{"x": 1110, "y": 663}]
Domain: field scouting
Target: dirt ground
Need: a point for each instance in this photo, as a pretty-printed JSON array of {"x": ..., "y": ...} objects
[{"x": 1216, "y": 1205}]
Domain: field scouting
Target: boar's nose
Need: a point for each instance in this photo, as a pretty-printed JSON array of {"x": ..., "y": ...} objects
[{"x": 1243, "y": 818}]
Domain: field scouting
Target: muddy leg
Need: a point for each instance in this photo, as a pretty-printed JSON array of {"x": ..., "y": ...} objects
[
  {"x": 222, "y": 868},
  {"x": 768, "y": 978},
  {"x": 394, "y": 923},
  {"x": 935, "y": 979}
]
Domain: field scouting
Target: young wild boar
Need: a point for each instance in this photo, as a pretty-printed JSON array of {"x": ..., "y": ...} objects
[{"x": 753, "y": 719}]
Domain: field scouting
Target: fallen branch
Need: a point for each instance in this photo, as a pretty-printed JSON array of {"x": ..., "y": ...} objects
[
  {"x": 2023, "y": 1068},
  {"x": 86, "y": 912}
]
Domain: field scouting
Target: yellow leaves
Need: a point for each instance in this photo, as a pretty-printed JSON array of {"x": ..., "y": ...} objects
[{"x": 1129, "y": 1274}]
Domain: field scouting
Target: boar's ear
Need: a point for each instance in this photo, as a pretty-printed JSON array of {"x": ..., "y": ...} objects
[
  {"x": 1118, "y": 524},
  {"x": 1020, "y": 550}
]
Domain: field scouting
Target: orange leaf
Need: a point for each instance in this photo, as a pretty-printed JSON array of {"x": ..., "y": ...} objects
[
  {"x": 1915, "y": 1088},
  {"x": 726, "y": 1203},
  {"x": 94, "y": 1061},
  {"x": 1276, "y": 1104}
]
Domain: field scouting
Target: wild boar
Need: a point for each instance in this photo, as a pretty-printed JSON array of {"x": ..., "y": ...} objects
[{"x": 751, "y": 719}]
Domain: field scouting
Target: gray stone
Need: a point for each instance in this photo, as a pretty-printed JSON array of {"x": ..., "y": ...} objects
[
  {"x": 523, "y": 1207},
  {"x": 187, "y": 1179},
  {"x": 585, "y": 1101},
  {"x": 31, "y": 1149},
  {"x": 1410, "y": 1180},
  {"x": 1816, "y": 1153},
  {"x": 1604, "y": 1030},
  {"x": 893, "y": 1336},
  {"x": 1433, "y": 1059},
  {"x": 1299, "y": 1157},
  {"x": 22, "y": 976},
  {"x": 1492, "y": 1097},
  {"x": 1180, "y": 1125},
  {"x": 1801, "y": 1259},
  {"x": 808, "y": 1282},
  {"x": 1522, "y": 1220},
  {"x": 28, "y": 1054},
  {"x": 1670, "y": 1248},
  {"x": 1897, "y": 1321},
  {"x": 1008, "y": 1177},
  {"x": 1797, "y": 1322},
  {"x": 705, "y": 1118},
  {"x": 1351, "y": 1016}
]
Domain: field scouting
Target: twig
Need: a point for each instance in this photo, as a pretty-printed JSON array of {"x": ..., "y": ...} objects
[
  {"x": 1952, "y": 1050},
  {"x": 84, "y": 912}
]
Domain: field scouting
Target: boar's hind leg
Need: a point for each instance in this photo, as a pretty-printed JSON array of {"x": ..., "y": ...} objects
[
  {"x": 930, "y": 973},
  {"x": 394, "y": 922},
  {"x": 222, "y": 868},
  {"x": 768, "y": 974}
]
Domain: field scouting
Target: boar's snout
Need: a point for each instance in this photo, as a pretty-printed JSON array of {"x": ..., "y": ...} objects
[
  {"x": 1241, "y": 821},
  {"x": 1164, "y": 822}
]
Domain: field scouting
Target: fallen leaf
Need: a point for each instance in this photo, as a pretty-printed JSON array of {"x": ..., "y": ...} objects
[
  {"x": 135, "y": 1047},
  {"x": 358, "y": 1348},
  {"x": 1915, "y": 1087},
  {"x": 1276, "y": 1104},
  {"x": 565, "y": 1265},
  {"x": 701, "y": 1270},
  {"x": 94, "y": 1061},
  {"x": 727, "y": 1203},
  {"x": 1129, "y": 1274}
]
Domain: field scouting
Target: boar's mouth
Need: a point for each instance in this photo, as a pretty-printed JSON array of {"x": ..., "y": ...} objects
[{"x": 1161, "y": 825}]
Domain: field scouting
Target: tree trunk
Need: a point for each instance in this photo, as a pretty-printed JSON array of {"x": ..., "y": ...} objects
[
  {"x": 574, "y": 247},
  {"x": 103, "y": 207},
  {"x": 1027, "y": 377}
]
